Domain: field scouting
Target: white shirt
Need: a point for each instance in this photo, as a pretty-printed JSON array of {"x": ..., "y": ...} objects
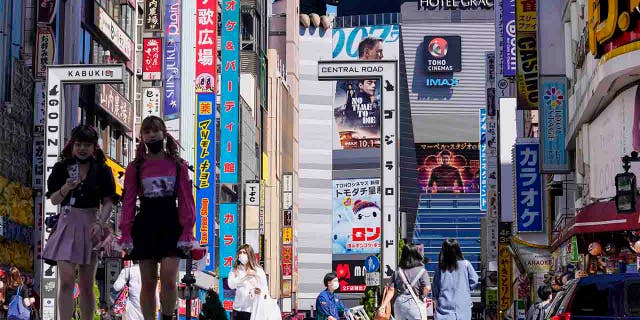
[
  {"x": 245, "y": 285},
  {"x": 133, "y": 310}
]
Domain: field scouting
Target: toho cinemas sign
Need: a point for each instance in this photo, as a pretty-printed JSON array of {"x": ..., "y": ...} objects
[{"x": 613, "y": 27}]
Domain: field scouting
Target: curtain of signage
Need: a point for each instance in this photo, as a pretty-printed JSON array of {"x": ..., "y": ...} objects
[
  {"x": 388, "y": 73},
  {"x": 57, "y": 76}
]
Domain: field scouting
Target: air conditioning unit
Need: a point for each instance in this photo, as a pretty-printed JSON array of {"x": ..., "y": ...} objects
[{"x": 138, "y": 71}]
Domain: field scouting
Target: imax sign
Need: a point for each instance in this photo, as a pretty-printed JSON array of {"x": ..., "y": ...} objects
[{"x": 442, "y": 82}]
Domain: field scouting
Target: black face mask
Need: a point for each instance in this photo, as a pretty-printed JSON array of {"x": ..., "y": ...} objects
[
  {"x": 83, "y": 161},
  {"x": 154, "y": 147}
]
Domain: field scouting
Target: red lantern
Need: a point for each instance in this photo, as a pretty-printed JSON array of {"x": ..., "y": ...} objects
[{"x": 595, "y": 249}]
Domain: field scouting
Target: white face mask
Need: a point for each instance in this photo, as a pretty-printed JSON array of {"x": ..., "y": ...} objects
[
  {"x": 243, "y": 258},
  {"x": 336, "y": 285}
]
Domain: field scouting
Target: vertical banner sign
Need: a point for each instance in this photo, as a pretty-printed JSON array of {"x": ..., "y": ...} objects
[
  {"x": 527, "y": 54},
  {"x": 528, "y": 188},
  {"x": 505, "y": 275},
  {"x": 151, "y": 99},
  {"x": 171, "y": 67},
  {"x": 483, "y": 159},
  {"x": 553, "y": 125},
  {"x": 228, "y": 246},
  {"x": 229, "y": 108},
  {"x": 152, "y": 16},
  {"x": 206, "y": 51},
  {"x": 205, "y": 174},
  {"x": 252, "y": 193},
  {"x": 45, "y": 51},
  {"x": 509, "y": 62},
  {"x": 152, "y": 59}
]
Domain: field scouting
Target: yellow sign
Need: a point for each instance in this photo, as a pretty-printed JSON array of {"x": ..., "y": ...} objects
[
  {"x": 287, "y": 235},
  {"x": 118, "y": 175},
  {"x": 527, "y": 54},
  {"x": 505, "y": 278},
  {"x": 614, "y": 29}
]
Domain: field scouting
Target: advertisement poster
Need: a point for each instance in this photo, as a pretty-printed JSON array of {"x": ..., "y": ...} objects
[
  {"x": 356, "y": 114},
  {"x": 230, "y": 76},
  {"x": 527, "y": 54},
  {"x": 152, "y": 59},
  {"x": 553, "y": 125},
  {"x": 171, "y": 67},
  {"x": 356, "y": 216},
  {"x": 351, "y": 275},
  {"x": 206, "y": 52},
  {"x": 448, "y": 167},
  {"x": 528, "y": 188},
  {"x": 205, "y": 177},
  {"x": 509, "y": 62},
  {"x": 366, "y": 43}
]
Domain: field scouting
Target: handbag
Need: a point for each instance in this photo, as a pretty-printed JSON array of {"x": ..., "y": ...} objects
[
  {"x": 120, "y": 303},
  {"x": 422, "y": 307},
  {"x": 17, "y": 310},
  {"x": 264, "y": 307},
  {"x": 386, "y": 314}
]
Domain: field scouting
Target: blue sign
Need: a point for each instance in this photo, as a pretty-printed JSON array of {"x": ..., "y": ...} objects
[
  {"x": 228, "y": 246},
  {"x": 528, "y": 188},
  {"x": 483, "y": 160},
  {"x": 171, "y": 66},
  {"x": 509, "y": 63},
  {"x": 553, "y": 124},
  {"x": 230, "y": 82},
  {"x": 442, "y": 82},
  {"x": 371, "y": 264},
  {"x": 205, "y": 174}
]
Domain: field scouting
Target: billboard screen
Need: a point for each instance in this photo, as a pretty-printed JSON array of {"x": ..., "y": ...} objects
[
  {"x": 448, "y": 167},
  {"x": 356, "y": 114},
  {"x": 356, "y": 216}
]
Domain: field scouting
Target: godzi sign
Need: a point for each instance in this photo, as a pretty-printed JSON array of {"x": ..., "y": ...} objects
[{"x": 57, "y": 76}]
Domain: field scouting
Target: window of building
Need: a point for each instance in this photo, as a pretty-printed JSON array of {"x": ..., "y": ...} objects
[
  {"x": 84, "y": 51},
  {"x": 126, "y": 19},
  {"x": 247, "y": 30}
]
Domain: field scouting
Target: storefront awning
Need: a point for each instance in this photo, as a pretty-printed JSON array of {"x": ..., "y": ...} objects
[{"x": 604, "y": 217}]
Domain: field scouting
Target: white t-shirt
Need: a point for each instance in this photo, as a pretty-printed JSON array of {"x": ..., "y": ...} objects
[{"x": 245, "y": 285}]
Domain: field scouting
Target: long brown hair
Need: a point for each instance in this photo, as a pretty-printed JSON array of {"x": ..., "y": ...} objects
[
  {"x": 171, "y": 145},
  {"x": 14, "y": 279},
  {"x": 252, "y": 263},
  {"x": 83, "y": 133}
]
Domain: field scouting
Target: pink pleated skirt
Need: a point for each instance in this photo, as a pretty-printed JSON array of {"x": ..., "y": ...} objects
[{"x": 71, "y": 241}]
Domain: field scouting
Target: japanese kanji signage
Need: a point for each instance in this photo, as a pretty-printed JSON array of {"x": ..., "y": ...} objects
[
  {"x": 205, "y": 173},
  {"x": 252, "y": 193},
  {"x": 287, "y": 235},
  {"x": 151, "y": 100},
  {"x": 206, "y": 42},
  {"x": 152, "y": 16},
  {"x": 229, "y": 114},
  {"x": 505, "y": 276},
  {"x": 152, "y": 59},
  {"x": 553, "y": 124},
  {"x": 45, "y": 51},
  {"x": 527, "y": 54},
  {"x": 528, "y": 188},
  {"x": 115, "y": 104},
  {"x": 171, "y": 67},
  {"x": 228, "y": 244},
  {"x": 356, "y": 216},
  {"x": 38, "y": 161}
]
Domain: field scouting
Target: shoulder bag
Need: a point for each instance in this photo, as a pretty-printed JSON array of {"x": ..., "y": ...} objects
[{"x": 422, "y": 307}]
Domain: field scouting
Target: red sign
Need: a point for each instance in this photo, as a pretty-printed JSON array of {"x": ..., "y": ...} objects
[
  {"x": 206, "y": 45},
  {"x": 287, "y": 254},
  {"x": 287, "y": 270},
  {"x": 46, "y": 10},
  {"x": 152, "y": 59}
]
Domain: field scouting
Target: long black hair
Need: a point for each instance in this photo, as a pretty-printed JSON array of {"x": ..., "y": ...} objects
[
  {"x": 450, "y": 254},
  {"x": 411, "y": 257},
  {"x": 83, "y": 133}
]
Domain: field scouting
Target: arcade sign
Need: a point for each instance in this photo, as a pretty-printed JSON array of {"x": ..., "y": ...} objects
[{"x": 443, "y": 54}]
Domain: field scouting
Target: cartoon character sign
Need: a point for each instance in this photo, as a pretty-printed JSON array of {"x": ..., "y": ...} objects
[{"x": 356, "y": 216}]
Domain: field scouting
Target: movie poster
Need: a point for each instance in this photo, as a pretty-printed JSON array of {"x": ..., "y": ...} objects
[
  {"x": 356, "y": 216},
  {"x": 448, "y": 167},
  {"x": 356, "y": 114}
]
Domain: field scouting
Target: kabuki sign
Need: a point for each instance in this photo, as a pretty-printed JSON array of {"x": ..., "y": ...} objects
[
  {"x": 387, "y": 73},
  {"x": 57, "y": 77}
]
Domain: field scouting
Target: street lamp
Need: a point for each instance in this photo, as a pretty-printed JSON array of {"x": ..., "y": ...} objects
[{"x": 626, "y": 186}]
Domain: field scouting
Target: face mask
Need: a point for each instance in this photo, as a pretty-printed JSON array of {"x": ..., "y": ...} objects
[
  {"x": 336, "y": 285},
  {"x": 243, "y": 258},
  {"x": 155, "y": 146}
]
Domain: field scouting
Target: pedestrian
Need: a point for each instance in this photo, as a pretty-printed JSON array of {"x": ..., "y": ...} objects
[
  {"x": 162, "y": 230},
  {"x": 412, "y": 284},
  {"x": 249, "y": 281},
  {"x": 329, "y": 305},
  {"x": 452, "y": 283},
  {"x": 83, "y": 185},
  {"x": 130, "y": 277},
  {"x": 538, "y": 310}
]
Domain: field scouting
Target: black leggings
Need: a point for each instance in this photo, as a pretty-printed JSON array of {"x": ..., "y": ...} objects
[{"x": 241, "y": 315}]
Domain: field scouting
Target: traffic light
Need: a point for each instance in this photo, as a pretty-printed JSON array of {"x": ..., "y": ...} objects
[{"x": 626, "y": 192}]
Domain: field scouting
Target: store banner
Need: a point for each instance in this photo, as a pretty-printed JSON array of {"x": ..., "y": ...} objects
[
  {"x": 229, "y": 108},
  {"x": 151, "y": 101},
  {"x": 45, "y": 51},
  {"x": 47, "y": 11},
  {"x": 152, "y": 16},
  {"x": 252, "y": 193},
  {"x": 553, "y": 125},
  {"x": 205, "y": 175},
  {"x": 115, "y": 104},
  {"x": 37, "y": 169},
  {"x": 483, "y": 159},
  {"x": 505, "y": 277},
  {"x": 351, "y": 275},
  {"x": 228, "y": 244},
  {"x": 356, "y": 216},
  {"x": 112, "y": 31},
  {"x": 509, "y": 61},
  {"x": 171, "y": 66},
  {"x": 448, "y": 167},
  {"x": 356, "y": 114},
  {"x": 39, "y": 100},
  {"x": 206, "y": 42},
  {"x": 152, "y": 59},
  {"x": 528, "y": 179},
  {"x": 527, "y": 54}
]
